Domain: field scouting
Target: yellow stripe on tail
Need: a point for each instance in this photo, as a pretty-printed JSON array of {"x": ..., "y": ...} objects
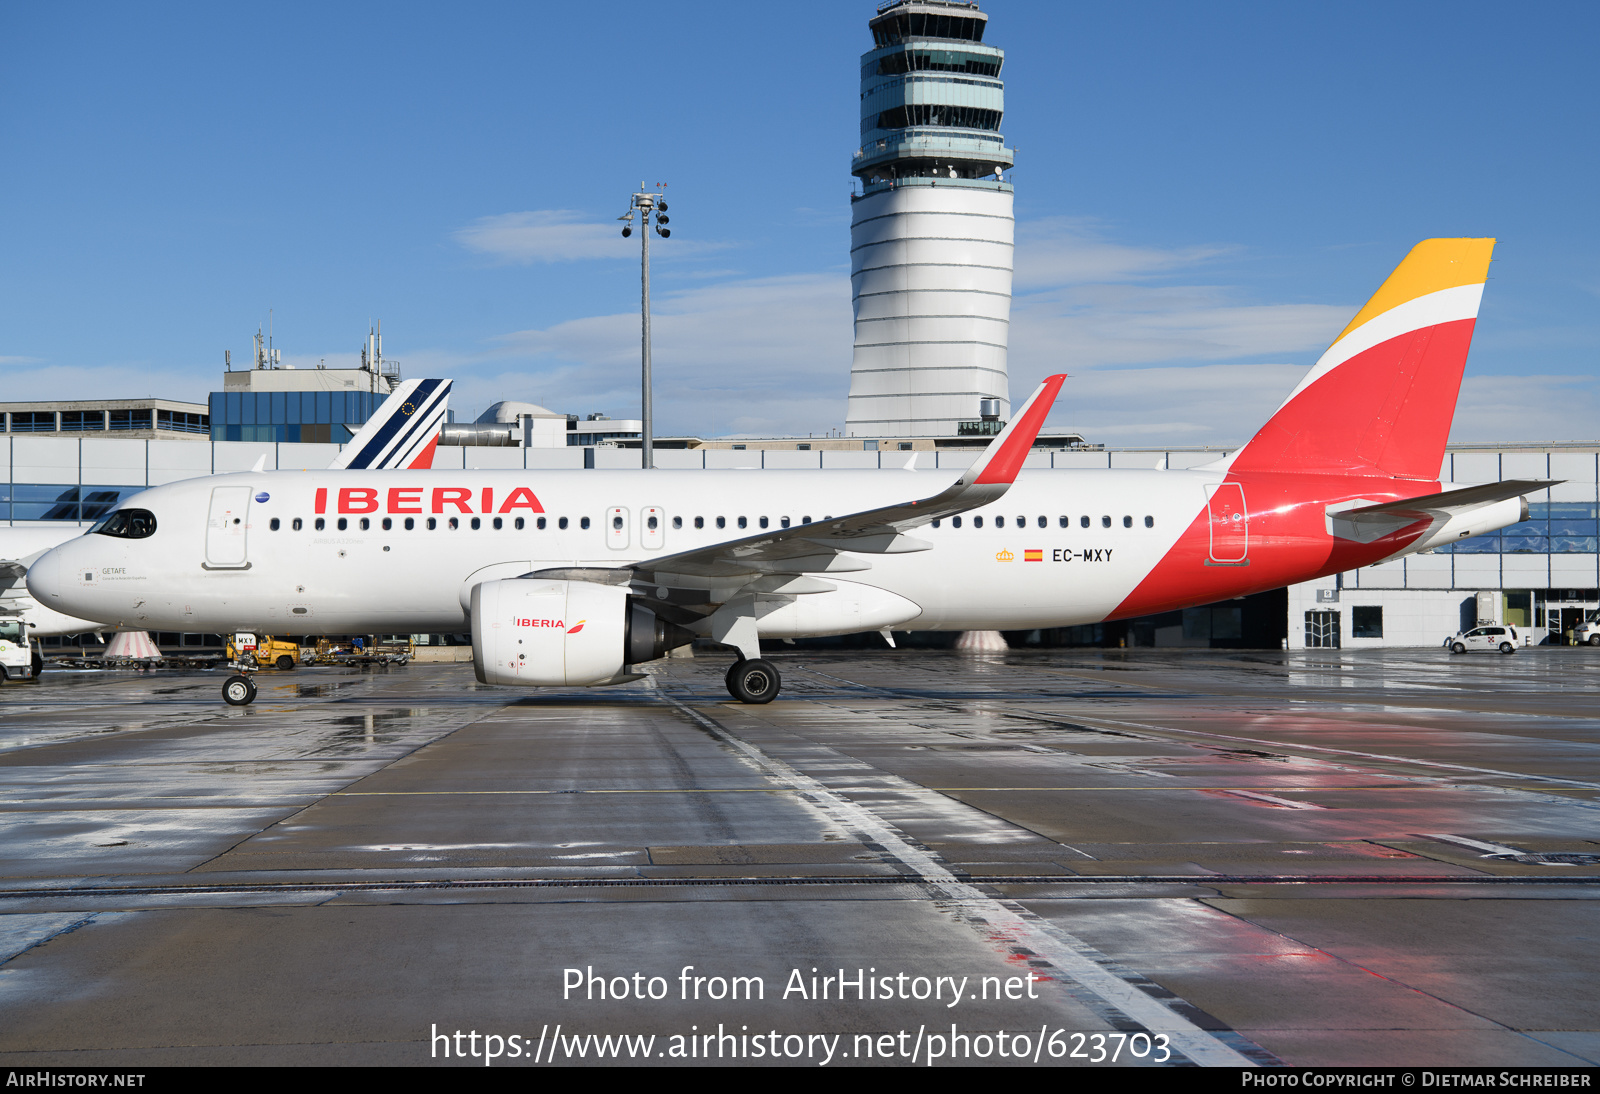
[{"x": 1432, "y": 265}]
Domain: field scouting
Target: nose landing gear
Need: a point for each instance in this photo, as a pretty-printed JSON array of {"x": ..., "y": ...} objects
[{"x": 239, "y": 691}]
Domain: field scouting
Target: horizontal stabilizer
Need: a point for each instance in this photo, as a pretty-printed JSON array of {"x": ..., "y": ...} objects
[
  {"x": 1450, "y": 501},
  {"x": 1450, "y": 515}
]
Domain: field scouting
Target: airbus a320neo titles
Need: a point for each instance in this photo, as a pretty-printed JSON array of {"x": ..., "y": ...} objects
[{"x": 574, "y": 577}]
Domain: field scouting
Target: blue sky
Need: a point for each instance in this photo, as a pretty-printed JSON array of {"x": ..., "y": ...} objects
[{"x": 1205, "y": 194}]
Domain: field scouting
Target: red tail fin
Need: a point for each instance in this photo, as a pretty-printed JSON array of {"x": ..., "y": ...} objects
[{"x": 1381, "y": 399}]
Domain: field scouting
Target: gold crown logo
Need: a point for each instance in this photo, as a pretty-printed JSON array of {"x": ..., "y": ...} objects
[{"x": 1003, "y": 556}]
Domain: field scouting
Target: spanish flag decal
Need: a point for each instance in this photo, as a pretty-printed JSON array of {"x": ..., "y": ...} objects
[{"x": 1033, "y": 556}]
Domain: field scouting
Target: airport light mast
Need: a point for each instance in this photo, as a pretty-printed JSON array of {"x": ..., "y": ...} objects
[{"x": 646, "y": 203}]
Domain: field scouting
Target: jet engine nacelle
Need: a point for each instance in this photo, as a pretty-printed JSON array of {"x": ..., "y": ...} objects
[{"x": 541, "y": 633}]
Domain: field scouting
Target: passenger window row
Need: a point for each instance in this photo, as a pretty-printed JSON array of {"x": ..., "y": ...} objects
[
  {"x": 741, "y": 522},
  {"x": 1044, "y": 522},
  {"x": 364, "y": 524}
]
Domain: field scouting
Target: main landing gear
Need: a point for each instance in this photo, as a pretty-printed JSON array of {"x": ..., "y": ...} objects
[
  {"x": 239, "y": 691},
  {"x": 752, "y": 680}
]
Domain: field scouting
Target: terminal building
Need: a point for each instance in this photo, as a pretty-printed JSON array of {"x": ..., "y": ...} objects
[{"x": 1540, "y": 575}]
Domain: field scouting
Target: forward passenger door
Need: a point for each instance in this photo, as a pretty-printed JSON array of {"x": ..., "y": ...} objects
[{"x": 227, "y": 528}]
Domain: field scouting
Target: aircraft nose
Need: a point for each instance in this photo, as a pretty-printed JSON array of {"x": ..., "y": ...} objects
[{"x": 44, "y": 578}]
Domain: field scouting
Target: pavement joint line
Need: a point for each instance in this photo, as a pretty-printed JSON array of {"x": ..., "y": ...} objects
[
  {"x": 200, "y": 803},
  {"x": 920, "y": 789},
  {"x": 1292, "y": 746},
  {"x": 790, "y": 880},
  {"x": 1121, "y": 997}
]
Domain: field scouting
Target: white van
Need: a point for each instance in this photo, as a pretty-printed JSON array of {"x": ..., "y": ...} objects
[{"x": 1589, "y": 630}]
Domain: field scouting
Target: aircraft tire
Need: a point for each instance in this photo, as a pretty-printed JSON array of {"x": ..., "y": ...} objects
[
  {"x": 1507, "y": 647},
  {"x": 754, "y": 681},
  {"x": 239, "y": 691},
  {"x": 1458, "y": 648},
  {"x": 285, "y": 663}
]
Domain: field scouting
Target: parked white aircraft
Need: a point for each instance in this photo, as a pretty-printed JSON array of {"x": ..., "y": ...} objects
[
  {"x": 402, "y": 432},
  {"x": 570, "y": 578}
]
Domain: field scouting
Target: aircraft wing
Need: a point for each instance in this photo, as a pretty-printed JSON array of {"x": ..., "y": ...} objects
[
  {"x": 728, "y": 568},
  {"x": 11, "y": 573},
  {"x": 402, "y": 432}
]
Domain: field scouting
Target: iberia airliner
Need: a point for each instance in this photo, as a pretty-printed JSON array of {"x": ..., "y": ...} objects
[{"x": 574, "y": 577}]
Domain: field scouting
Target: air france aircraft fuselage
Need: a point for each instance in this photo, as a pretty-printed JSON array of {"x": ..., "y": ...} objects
[{"x": 574, "y": 577}]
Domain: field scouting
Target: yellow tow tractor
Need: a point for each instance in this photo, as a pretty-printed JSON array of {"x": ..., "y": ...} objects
[{"x": 268, "y": 652}]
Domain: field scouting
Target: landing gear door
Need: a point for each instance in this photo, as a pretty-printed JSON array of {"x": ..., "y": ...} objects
[
  {"x": 227, "y": 527},
  {"x": 1230, "y": 524}
]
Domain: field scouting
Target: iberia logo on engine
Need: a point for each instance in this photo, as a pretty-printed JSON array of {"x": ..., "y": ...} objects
[{"x": 576, "y": 627}]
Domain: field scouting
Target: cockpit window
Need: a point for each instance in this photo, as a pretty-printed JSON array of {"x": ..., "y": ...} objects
[{"x": 128, "y": 524}]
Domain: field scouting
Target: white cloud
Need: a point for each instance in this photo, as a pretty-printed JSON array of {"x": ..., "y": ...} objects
[
  {"x": 1152, "y": 361},
  {"x": 1057, "y": 251},
  {"x": 124, "y": 380},
  {"x": 544, "y": 235},
  {"x": 20, "y": 360},
  {"x": 1093, "y": 325},
  {"x": 756, "y": 356},
  {"x": 562, "y": 235},
  {"x": 1197, "y": 404},
  {"x": 1527, "y": 409}
]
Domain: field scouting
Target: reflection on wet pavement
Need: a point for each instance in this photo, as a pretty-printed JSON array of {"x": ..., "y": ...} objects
[{"x": 1312, "y": 851}]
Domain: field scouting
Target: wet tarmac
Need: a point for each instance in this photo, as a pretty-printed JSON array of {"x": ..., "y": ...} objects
[{"x": 1070, "y": 857}]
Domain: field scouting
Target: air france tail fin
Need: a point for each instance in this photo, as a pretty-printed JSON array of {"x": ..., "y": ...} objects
[
  {"x": 1381, "y": 399},
  {"x": 404, "y": 430}
]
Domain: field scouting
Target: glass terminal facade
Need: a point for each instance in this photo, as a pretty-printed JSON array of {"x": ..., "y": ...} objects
[{"x": 291, "y": 416}]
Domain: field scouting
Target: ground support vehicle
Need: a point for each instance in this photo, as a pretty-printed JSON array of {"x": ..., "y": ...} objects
[
  {"x": 20, "y": 659},
  {"x": 267, "y": 652},
  {"x": 1504, "y": 639},
  {"x": 1588, "y": 632}
]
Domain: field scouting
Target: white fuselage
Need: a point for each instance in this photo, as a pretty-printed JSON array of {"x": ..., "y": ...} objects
[{"x": 1011, "y": 565}]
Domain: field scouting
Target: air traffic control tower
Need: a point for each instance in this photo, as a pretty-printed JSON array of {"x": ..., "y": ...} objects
[{"x": 931, "y": 228}]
